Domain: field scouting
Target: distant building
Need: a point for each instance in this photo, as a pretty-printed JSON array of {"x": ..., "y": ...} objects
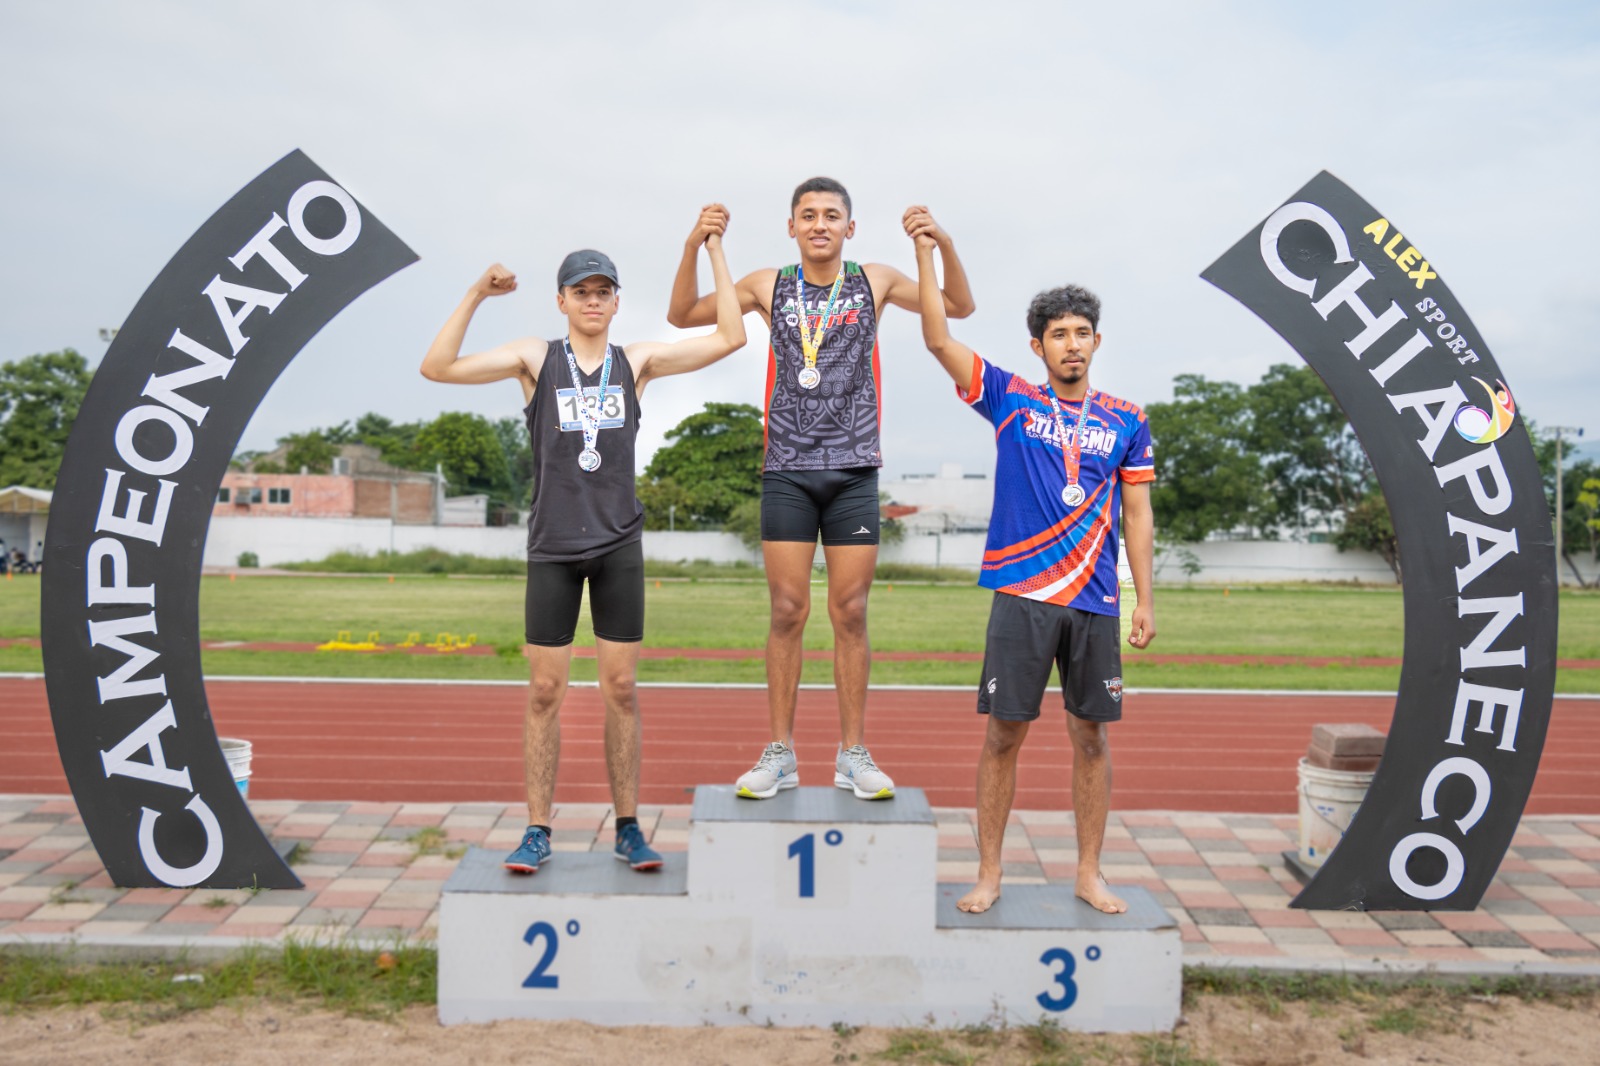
[
  {"x": 24, "y": 513},
  {"x": 951, "y": 501},
  {"x": 360, "y": 485}
]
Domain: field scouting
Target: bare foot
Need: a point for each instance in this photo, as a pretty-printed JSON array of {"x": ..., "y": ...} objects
[
  {"x": 981, "y": 898},
  {"x": 1094, "y": 891}
]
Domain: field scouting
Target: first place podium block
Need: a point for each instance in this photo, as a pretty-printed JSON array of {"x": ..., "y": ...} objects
[{"x": 810, "y": 908}]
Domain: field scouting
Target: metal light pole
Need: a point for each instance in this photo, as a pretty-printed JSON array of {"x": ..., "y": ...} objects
[{"x": 1561, "y": 432}]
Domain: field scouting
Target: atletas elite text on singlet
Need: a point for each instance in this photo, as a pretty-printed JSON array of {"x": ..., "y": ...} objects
[{"x": 835, "y": 426}]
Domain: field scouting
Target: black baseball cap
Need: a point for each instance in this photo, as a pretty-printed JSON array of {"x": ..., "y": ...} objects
[{"x": 586, "y": 263}]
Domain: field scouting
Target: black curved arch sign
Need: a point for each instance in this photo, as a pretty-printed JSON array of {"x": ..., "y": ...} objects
[
  {"x": 1351, "y": 291},
  {"x": 120, "y": 613}
]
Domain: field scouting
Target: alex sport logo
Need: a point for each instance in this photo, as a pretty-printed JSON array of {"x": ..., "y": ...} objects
[
  {"x": 1480, "y": 426},
  {"x": 1041, "y": 425}
]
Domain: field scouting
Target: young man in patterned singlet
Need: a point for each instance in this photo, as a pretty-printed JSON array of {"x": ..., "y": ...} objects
[
  {"x": 823, "y": 455},
  {"x": 581, "y": 401},
  {"x": 1068, "y": 460}
]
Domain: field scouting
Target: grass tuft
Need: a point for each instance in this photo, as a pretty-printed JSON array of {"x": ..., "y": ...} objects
[
  {"x": 344, "y": 978},
  {"x": 431, "y": 840}
]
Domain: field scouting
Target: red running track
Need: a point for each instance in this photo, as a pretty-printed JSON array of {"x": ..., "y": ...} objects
[{"x": 454, "y": 743}]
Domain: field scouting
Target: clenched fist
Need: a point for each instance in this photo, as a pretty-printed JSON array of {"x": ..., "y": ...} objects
[{"x": 496, "y": 281}]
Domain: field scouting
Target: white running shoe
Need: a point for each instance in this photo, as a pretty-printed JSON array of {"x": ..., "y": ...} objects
[
  {"x": 775, "y": 770},
  {"x": 854, "y": 769}
]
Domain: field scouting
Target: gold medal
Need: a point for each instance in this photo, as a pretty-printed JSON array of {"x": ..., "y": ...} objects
[{"x": 810, "y": 343}]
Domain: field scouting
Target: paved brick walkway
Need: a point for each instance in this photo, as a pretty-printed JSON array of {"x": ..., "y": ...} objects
[{"x": 374, "y": 871}]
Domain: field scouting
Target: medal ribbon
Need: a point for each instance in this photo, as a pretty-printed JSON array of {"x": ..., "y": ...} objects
[
  {"x": 810, "y": 343},
  {"x": 1071, "y": 451},
  {"x": 589, "y": 418}
]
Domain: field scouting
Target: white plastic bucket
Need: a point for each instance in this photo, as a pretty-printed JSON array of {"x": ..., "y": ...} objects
[
  {"x": 1328, "y": 800},
  {"x": 237, "y": 752}
]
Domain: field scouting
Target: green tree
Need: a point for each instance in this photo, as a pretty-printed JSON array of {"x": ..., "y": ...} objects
[
  {"x": 666, "y": 505},
  {"x": 710, "y": 465},
  {"x": 310, "y": 451},
  {"x": 1310, "y": 454},
  {"x": 1211, "y": 479},
  {"x": 518, "y": 452},
  {"x": 890, "y": 530},
  {"x": 1367, "y": 526},
  {"x": 1588, "y": 506},
  {"x": 1579, "y": 531},
  {"x": 745, "y": 523},
  {"x": 396, "y": 441},
  {"x": 39, "y": 399},
  {"x": 467, "y": 448}
]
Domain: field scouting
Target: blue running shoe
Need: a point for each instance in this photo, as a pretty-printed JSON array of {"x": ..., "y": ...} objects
[
  {"x": 632, "y": 849},
  {"x": 535, "y": 849}
]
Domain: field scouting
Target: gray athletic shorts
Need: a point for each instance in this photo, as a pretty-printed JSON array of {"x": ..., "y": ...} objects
[{"x": 1026, "y": 637}]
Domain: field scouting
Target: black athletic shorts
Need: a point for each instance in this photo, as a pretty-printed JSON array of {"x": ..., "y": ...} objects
[
  {"x": 842, "y": 504},
  {"x": 616, "y": 597},
  {"x": 1026, "y": 636}
]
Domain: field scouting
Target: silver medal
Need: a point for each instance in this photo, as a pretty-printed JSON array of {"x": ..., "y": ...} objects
[
  {"x": 1072, "y": 495},
  {"x": 589, "y": 460},
  {"x": 810, "y": 377}
]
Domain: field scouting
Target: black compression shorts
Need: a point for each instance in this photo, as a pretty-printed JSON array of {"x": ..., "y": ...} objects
[
  {"x": 1026, "y": 636},
  {"x": 842, "y": 504},
  {"x": 616, "y": 597}
]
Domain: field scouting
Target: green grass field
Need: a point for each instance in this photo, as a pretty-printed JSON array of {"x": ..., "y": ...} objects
[{"x": 1275, "y": 621}]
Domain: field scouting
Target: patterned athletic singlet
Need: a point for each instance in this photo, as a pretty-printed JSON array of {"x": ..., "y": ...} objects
[{"x": 834, "y": 426}]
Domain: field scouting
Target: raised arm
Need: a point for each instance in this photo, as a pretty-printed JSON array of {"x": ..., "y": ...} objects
[
  {"x": 1139, "y": 534},
  {"x": 955, "y": 357},
  {"x": 444, "y": 361},
  {"x": 686, "y": 307},
  {"x": 901, "y": 291},
  {"x": 655, "y": 360}
]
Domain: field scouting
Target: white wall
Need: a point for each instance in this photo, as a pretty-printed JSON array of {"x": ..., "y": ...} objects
[
  {"x": 289, "y": 540},
  {"x": 1251, "y": 561},
  {"x": 282, "y": 540}
]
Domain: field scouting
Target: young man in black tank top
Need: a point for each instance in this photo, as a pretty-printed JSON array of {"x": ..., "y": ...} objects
[
  {"x": 823, "y": 455},
  {"x": 581, "y": 399}
]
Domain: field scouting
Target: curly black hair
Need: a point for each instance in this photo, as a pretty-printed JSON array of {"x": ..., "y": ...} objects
[{"x": 1058, "y": 303}]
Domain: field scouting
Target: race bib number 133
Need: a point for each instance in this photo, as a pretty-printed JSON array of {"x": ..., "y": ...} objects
[{"x": 611, "y": 409}]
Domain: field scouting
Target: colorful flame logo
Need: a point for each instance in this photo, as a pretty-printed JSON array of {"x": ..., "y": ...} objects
[{"x": 1481, "y": 427}]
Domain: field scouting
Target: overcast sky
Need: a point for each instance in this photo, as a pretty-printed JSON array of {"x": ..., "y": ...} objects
[{"x": 1123, "y": 146}]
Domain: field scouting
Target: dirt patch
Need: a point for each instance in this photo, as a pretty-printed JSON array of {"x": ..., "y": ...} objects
[{"x": 1222, "y": 1029}]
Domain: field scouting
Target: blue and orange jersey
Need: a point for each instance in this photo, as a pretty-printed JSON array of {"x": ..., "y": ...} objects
[{"x": 1038, "y": 546}]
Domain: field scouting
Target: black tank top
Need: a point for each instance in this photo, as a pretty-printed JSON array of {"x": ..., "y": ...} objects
[
  {"x": 579, "y": 515},
  {"x": 834, "y": 426}
]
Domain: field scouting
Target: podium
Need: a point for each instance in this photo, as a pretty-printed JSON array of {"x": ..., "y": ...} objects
[{"x": 806, "y": 909}]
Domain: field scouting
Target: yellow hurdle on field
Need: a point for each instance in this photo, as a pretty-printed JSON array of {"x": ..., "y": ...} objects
[{"x": 342, "y": 642}]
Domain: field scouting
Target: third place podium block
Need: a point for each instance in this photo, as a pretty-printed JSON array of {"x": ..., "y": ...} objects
[{"x": 809, "y": 908}]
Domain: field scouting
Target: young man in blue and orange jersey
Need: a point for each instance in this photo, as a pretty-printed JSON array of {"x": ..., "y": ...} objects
[
  {"x": 822, "y": 454},
  {"x": 1069, "y": 460}
]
